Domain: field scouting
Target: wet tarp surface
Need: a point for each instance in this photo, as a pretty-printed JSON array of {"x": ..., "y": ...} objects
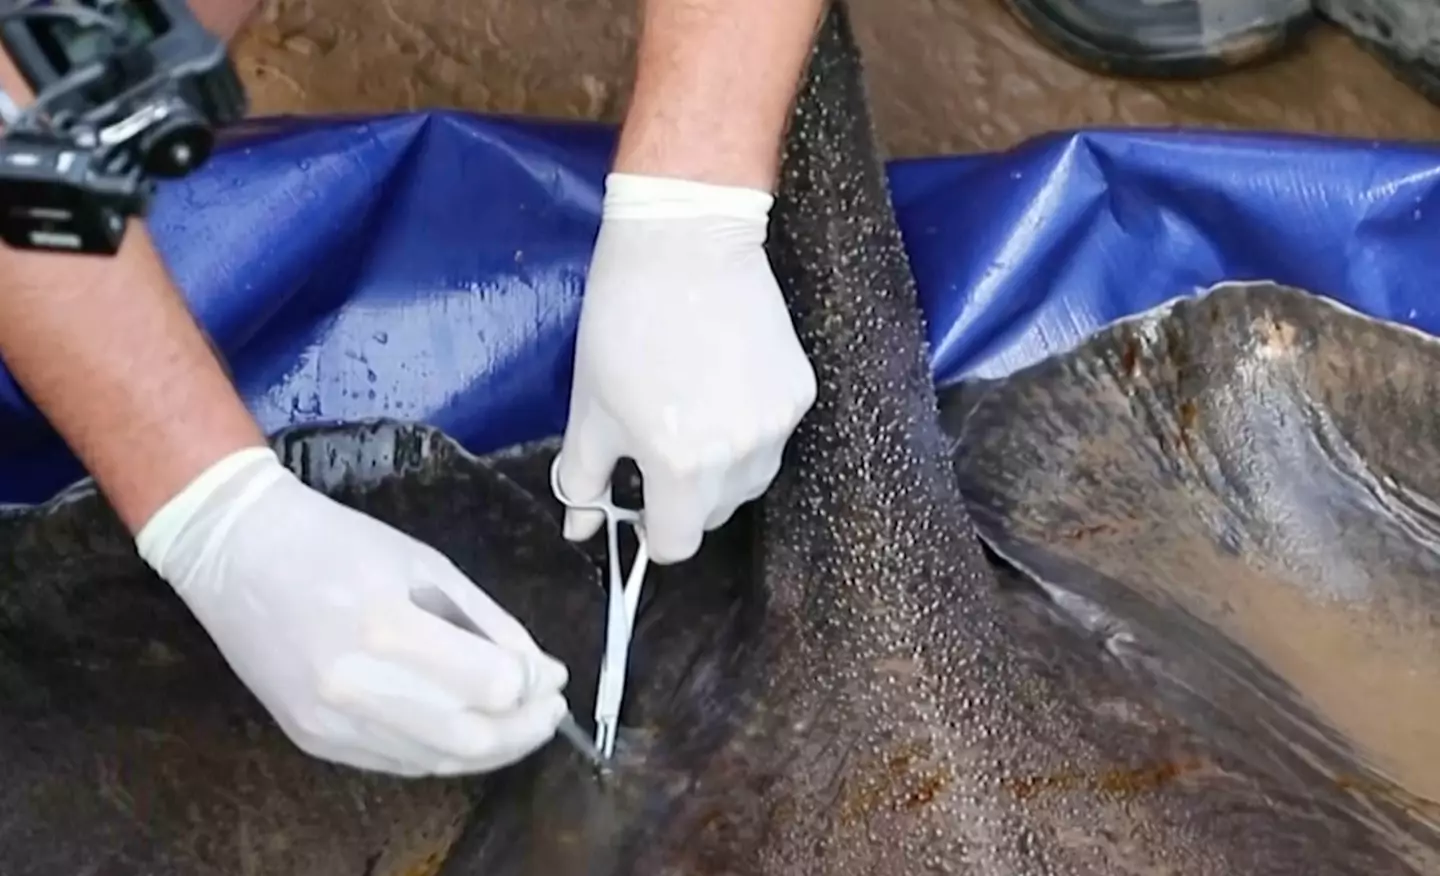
[{"x": 429, "y": 266}]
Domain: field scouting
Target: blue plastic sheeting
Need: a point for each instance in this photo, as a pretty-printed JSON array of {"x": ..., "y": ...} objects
[{"x": 429, "y": 266}]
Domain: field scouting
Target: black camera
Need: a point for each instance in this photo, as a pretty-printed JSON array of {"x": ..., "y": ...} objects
[{"x": 126, "y": 92}]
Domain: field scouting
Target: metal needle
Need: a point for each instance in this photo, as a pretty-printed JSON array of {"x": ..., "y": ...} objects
[{"x": 570, "y": 729}]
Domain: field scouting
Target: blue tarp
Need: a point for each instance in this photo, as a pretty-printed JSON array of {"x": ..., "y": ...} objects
[{"x": 429, "y": 266}]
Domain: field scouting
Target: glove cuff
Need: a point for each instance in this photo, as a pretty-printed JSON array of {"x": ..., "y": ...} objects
[
  {"x": 165, "y": 528},
  {"x": 630, "y": 196}
]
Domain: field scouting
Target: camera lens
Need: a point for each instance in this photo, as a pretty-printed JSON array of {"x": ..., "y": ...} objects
[{"x": 176, "y": 145}]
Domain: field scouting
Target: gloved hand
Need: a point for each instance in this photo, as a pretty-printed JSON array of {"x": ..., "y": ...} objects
[
  {"x": 686, "y": 361},
  {"x": 358, "y": 639}
]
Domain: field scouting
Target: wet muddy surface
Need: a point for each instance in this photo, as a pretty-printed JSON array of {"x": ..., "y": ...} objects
[{"x": 945, "y": 75}]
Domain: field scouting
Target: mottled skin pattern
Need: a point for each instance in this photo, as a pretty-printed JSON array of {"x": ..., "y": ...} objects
[
  {"x": 1258, "y": 461},
  {"x": 838, "y": 684}
]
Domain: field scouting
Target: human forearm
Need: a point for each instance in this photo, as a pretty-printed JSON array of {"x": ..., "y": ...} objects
[
  {"x": 107, "y": 350},
  {"x": 714, "y": 84}
]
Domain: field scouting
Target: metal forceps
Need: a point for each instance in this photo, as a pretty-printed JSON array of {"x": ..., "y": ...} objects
[{"x": 624, "y": 600}]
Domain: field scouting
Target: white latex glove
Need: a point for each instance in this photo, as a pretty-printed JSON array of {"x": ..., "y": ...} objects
[
  {"x": 357, "y": 638},
  {"x": 686, "y": 361}
]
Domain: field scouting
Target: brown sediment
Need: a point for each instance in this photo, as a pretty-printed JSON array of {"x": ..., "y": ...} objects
[
  {"x": 954, "y": 76},
  {"x": 1131, "y": 781}
]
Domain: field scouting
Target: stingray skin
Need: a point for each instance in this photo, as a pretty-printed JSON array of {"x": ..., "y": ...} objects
[
  {"x": 879, "y": 700},
  {"x": 840, "y": 683},
  {"x": 1239, "y": 485}
]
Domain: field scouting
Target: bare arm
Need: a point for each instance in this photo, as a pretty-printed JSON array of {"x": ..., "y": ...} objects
[
  {"x": 714, "y": 87},
  {"x": 108, "y": 351}
]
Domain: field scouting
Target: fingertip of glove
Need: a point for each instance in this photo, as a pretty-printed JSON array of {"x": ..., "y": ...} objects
[
  {"x": 537, "y": 675},
  {"x": 581, "y": 525},
  {"x": 551, "y": 675},
  {"x": 675, "y": 547},
  {"x": 555, "y": 711}
]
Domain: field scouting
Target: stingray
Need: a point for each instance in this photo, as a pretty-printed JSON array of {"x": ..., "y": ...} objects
[
  {"x": 840, "y": 682},
  {"x": 1255, "y": 461}
]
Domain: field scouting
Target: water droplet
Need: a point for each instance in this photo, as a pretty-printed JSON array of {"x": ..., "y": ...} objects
[{"x": 305, "y": 407}]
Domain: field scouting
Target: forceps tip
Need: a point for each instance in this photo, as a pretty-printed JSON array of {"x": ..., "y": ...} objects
[{"x": 569, "y": 730}]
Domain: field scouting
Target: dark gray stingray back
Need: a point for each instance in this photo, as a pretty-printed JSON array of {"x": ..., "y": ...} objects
[
  {"x": 1253, "y": 474},
  {"x": 128, "y": 747}
]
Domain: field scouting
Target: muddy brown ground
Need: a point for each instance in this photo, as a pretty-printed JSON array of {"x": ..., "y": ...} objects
[{"x": 946, "y": 75}]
